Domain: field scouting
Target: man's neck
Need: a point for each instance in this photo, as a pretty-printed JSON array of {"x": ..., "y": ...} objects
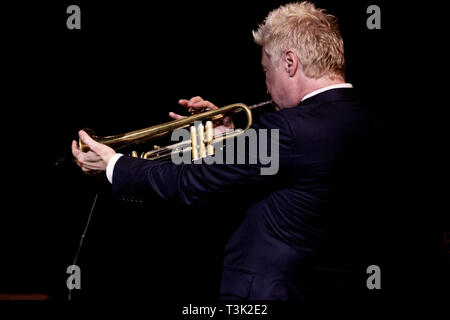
[
  {"x": 333, "y": 86},
  {"x": 313, "y": 85},
  {"x": 305, "y": 87}
]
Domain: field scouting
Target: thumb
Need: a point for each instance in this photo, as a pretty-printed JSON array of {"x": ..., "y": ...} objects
[{"x": 86, "y": 139}]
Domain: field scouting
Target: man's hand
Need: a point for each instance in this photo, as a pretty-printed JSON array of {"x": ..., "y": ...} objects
[
  {"x": 96, "y": 159},
  {"x": 194, "y": 103}
]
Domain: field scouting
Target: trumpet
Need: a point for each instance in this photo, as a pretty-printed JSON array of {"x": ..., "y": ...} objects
[{"x": 202, "y": 138}]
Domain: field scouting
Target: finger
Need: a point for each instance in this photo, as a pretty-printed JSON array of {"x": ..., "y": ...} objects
[
  {"x": 183, "y": 102},
  {"x": 175, "y": 116},
  {"x": 199, "y": 102},
  {"x": 90, "y": 165},
  {"x": 75, "y": 149},
  {"x": 204, "y": 104},
  {"x": 90, "y": 172},
  {"x": 194, "y": 100},
  {"x": 85, "y": 138},
  {"x": 77, "y": 153},
  {"x": 91, "y": 158}
]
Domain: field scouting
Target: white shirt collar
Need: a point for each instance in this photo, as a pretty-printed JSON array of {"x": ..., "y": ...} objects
[{"x": 333, "y": 86}]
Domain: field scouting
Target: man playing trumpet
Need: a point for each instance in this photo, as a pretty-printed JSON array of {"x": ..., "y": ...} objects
[{"x": 298, "y": 242}]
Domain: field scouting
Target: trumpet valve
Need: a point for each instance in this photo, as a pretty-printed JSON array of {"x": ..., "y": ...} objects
[
  {"x": 201, "y": 140},
  {"x": 209, "y": 132},
  {"x": 194, "y": 142}
]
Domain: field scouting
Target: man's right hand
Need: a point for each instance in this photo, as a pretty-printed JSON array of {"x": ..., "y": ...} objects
[{"x": 198, "y": 103}]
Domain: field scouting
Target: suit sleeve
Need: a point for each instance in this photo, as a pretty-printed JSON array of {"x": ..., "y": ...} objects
[{"x": 195, "y": 183}]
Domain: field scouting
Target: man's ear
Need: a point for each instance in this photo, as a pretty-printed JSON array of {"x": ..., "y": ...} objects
[{"x": 291, "y": 62}]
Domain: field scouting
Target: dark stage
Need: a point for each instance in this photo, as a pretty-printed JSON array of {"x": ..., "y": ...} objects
[{"x": 125, "y": 69}]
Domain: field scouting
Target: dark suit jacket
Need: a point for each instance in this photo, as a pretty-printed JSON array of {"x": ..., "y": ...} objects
[{"x": 301, "y": 237}]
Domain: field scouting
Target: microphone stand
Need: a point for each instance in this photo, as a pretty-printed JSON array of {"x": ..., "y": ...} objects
[{"x": 83, "y": 235}]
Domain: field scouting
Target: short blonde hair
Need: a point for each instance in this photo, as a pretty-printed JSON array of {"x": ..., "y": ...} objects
[{"x": 310, "y": 32}]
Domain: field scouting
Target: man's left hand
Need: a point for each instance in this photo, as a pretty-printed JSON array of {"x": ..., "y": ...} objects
[{"x": 96, "y": 159}]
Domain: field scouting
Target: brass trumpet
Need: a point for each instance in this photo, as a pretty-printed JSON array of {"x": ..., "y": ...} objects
[{"x": 202, "y": 139}]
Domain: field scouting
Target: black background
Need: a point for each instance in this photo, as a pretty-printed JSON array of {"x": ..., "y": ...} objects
[{"x": 126, "y": 69}]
